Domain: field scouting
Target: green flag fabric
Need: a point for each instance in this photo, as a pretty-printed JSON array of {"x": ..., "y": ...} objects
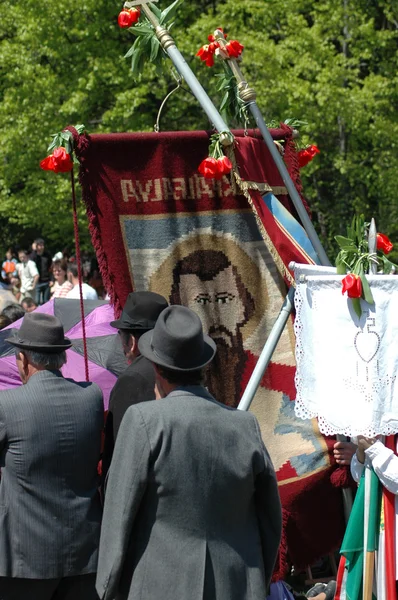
[{"x": 353, "y": 543}]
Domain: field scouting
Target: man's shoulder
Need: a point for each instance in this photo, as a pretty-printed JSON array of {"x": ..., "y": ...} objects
[
  {"x": 140, "y": 366},
  {"x": 140, "y": 374},
  {"x": 89, "y": 292},
  {"x": 87, "y": 387},
  {"x": 12, "y": 394},
  {"x": 189, "y": 408}
]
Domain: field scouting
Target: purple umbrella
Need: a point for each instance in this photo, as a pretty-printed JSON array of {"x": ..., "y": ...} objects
[{"x": 105, "y": 356}]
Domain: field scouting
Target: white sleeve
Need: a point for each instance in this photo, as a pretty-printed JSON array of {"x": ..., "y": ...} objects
[
  {"x": 356, "y": 468},
  {"x": 385, "y": 464},
  {"x": 33, "y": 268}
]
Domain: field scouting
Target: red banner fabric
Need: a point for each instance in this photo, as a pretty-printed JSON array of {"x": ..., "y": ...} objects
[{"x": 157, "y": 224}]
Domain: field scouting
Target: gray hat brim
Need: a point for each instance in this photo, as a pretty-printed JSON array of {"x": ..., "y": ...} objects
[
  {"x": 14, "y": 341},
  {"x": 120, "y": 324},
  {"x": 147, "y": 350}
]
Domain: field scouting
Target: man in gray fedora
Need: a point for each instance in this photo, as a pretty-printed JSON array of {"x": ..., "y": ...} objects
[
  {"x": 50, "y": 436},
  {"x": 192, "y": 508},
  {"x": 137, "y": 382}
]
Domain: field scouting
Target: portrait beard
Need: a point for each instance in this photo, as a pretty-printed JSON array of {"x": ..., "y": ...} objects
[{"x": 224, "y": 375}]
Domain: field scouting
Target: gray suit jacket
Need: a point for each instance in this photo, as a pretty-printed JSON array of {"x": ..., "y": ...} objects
[
  {"x": 50, "y": 514},
  {"x": 192, "y": 508}
]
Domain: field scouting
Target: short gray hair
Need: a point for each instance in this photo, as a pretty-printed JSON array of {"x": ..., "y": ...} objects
[{"x": 52, "y": 361}]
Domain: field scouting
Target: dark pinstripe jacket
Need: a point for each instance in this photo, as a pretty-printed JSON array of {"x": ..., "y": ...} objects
[{"x": 50, "y": 431}]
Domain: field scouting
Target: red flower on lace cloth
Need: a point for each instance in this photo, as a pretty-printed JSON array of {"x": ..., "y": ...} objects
[
  {"x": 352, "y": 284},
  {"x": 384, "y": 243}
]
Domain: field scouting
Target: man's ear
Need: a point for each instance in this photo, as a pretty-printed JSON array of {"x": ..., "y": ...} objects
[
  {"x": 24, "y": 360},
  {"x": 133, "y": 343}
]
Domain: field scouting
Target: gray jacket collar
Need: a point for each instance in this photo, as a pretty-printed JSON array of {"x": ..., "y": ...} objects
[{"x": 191, "y": 390}]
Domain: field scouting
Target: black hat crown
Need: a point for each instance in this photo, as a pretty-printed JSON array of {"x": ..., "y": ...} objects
[{"x": 141, "y": 311}]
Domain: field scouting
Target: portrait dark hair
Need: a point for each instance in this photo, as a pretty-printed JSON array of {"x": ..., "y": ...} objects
[{"x": 207, "y": 264}]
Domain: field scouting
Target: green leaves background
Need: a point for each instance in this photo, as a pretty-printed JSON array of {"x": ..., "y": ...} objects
[{"x": 331, "y": 64}]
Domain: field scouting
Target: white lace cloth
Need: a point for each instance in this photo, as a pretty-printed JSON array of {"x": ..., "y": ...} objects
[{"x": 346, "y": 366}]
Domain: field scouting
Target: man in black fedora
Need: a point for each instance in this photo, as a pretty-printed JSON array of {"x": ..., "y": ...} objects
[
  {"x": 50, "y": 437},
  {"x": 192, "y": 507},
  {"x": 137, "y": 382}
]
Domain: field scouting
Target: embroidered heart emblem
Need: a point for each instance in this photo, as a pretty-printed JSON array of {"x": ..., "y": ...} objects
[{"x": 367, "y": 345}]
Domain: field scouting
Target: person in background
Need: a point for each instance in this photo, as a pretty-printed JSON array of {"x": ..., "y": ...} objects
[
  {"x": 28, "y": 275},
  {"x": 192, "y": 508},
  {"x": 13, "y": 312},
  {"x": 50, "y": 439},
  {"x": 88, "y": 293},
  {"x": 94, "y": 278},
  {"x": 28, "y": 305},
  {"x": 61, "y": 285},
  {"x": 43, "y": 261},
  {"x": 9, "y": 267},
  {"x": 4, "y": 321},
  {"x": 137, "y": 382}
]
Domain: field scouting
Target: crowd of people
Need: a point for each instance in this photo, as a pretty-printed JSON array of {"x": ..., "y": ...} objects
[
  {"x": 181, "y": 499},
  {"x": 168, "y": 527},
  {"x": 35, "y": 276}
]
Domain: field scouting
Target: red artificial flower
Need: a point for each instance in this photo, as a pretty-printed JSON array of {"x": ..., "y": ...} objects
[
  {"x": 211, "y": 37},
  {"x": 305, "y": 156},
  {"x": 47, "y": 164},
  {"x": 224, "y": 165},
  {"x": 234, "y": 48},
  {"x": 209, "y": 168},
  {"x": 352, "y": 284},
  {"x": 62, "y": 160},
  {"x": 206, "y": 53},
  {"x": 128, "y": 17},
  {"x": 213, "y": 168},
  {"x": 384, "y": 243}
]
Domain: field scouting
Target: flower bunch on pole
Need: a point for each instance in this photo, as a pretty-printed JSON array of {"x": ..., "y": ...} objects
[
  {"x": 61, "y": 157},
  {"x": 216, "y": 165},
  {"x": 147, "y": 45},
  {"x": 128, "y": 17},
  {"x": 232, "y": 49},
  {"x": 231, "y": 104},
  {"x": 354, "y": 260}
]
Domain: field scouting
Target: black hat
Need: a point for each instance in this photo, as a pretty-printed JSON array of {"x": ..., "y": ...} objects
[
  {"x": 41, "y": 333},
  {"x": 177, "y": 341},
  {"x": 141, "y": 311}
]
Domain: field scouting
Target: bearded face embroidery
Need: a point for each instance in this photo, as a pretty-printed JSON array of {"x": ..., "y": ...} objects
[{"x": 210, "y": 285}]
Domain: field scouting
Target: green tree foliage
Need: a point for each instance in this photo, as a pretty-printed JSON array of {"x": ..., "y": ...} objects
[{"x": 333, "y": 64}]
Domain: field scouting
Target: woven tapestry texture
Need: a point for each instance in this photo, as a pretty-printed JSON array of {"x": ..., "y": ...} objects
[{"x": 158, "y": 225}]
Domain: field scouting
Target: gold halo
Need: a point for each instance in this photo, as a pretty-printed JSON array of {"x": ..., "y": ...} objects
[{"x": 162, "y": 279}]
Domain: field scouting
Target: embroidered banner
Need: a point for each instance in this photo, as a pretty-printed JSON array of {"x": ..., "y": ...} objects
[{"x": 158, "y": 225}]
